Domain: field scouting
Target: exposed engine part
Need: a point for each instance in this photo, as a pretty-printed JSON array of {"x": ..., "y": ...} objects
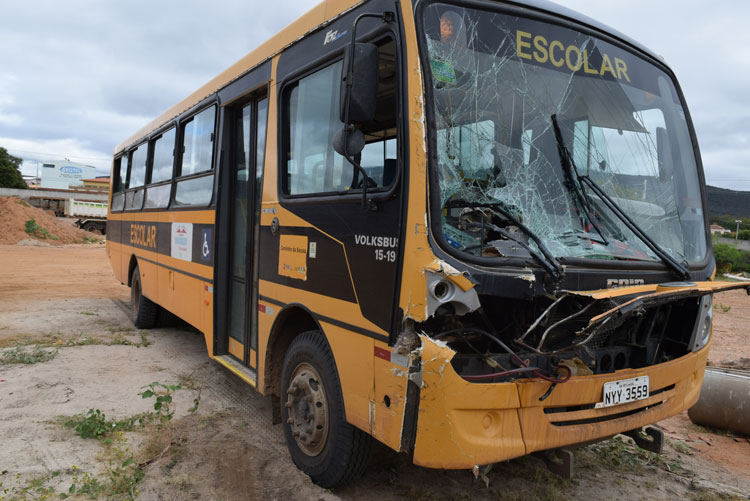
[{"x": 555, "y": 338}]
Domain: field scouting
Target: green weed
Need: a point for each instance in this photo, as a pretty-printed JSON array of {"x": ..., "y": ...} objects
[
  {"x": 94, "y": 424},
  {"x": 162, "y": 395},
  {"x": 722, "y": 307},
  {"x": 25, "y": 355},
  {"x": 36, "y": 230}
]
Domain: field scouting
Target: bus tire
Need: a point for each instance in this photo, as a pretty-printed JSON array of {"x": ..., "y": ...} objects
[
  {"x": 322, "y": 444},
  {"x": 145, "y": 311}
]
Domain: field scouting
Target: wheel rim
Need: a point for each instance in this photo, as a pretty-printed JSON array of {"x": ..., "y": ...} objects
[{"x": 307, "y": 408}]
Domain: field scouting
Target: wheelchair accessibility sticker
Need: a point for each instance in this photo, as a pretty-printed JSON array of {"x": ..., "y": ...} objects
[{"x": 206, "y": 245}]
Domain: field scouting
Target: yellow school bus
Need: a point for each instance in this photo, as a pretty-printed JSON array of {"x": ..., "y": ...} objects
[{"x": 469, "y": 230}]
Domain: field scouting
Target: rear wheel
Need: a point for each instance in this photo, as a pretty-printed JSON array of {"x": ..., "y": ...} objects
[
  {"x": 92, "y": 228},
  {"x": 320, "y": 441},
  {"x": 145, "y": 311}
]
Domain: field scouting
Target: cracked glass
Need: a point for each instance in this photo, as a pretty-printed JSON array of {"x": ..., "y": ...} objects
[{"x": 499, "y": 87}]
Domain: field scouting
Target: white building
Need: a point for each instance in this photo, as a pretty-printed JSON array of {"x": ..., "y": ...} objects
[{"x": 63, "y": 174}]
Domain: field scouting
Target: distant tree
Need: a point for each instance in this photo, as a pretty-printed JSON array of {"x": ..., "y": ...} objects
[{"x": 10, "y": 176}]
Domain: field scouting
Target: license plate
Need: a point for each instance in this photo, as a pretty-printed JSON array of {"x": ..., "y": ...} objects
[{"x": 624, "y": 391}]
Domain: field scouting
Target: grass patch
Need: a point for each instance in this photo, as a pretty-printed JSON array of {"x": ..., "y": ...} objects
[
  {"x": 90, "y": 240},
  {"x": 119, "y": 339},
  {"x": 58, "y": 341},
  {"x": 27, "y": 355},
  {"x": 624, "y": 455},
  {"x": 88, "y": 313},
  {"x": 36, "y": 230},
  {"x": 721, "y": 307},
  {"x": 23, "y": 202}
]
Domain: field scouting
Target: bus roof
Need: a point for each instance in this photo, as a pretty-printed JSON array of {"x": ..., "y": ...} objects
[{"x": 328, "y": 10}]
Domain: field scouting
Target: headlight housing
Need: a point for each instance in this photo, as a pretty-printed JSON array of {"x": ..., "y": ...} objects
[{"x": 703, "y": 322}]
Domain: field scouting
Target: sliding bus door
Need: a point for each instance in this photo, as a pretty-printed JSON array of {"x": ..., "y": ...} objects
[{"x": 248, "y": 134}]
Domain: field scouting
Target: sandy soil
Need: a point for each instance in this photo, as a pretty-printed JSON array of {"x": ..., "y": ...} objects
[{"x": 66, "y": 299}]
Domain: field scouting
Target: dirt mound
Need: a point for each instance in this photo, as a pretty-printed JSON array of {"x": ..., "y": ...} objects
[{"x": 20, "y": 221}]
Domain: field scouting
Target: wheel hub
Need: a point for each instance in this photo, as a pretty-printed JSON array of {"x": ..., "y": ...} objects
[{"x": 307, "y": 409}]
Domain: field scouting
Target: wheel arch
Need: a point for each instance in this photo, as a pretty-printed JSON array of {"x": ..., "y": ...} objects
[
  {"x": 131, "y": 268},
  {"x": 292, "y": 320}
]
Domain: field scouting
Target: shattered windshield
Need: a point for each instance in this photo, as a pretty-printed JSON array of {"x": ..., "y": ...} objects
[{"x": 499, "y": 86}]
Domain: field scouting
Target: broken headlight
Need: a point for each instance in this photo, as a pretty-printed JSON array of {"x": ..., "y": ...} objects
[{"x": 702, "y": 329}]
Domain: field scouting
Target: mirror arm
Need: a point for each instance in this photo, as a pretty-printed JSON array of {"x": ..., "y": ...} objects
[{"x": 386, "y": 17}]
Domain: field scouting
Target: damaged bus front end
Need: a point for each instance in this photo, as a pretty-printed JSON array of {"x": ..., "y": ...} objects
[{"x": 569, "y": 283}]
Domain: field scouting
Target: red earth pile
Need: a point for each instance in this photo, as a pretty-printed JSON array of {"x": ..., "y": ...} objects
[{"x": 15, "y": 213}]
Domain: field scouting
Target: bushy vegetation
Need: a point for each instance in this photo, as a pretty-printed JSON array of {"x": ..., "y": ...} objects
[{"x": 731, "y": 259}]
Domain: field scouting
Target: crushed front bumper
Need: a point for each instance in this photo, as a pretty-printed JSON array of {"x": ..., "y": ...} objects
[{"x": 463, "y": 424}]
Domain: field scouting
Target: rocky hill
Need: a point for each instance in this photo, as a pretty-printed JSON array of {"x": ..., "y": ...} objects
[{"x": 728, "y": 202}]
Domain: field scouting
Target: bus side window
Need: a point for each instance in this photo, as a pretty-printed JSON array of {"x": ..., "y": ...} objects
[
  {"x": 137, "y": 177},
  {"x": 312, "y": 117},
  {"x": 311, "y": 108},
  {"x": 120, "y": 182},
  {"x": 162, "y": 164},
  {"x": 195, "y": 177}
]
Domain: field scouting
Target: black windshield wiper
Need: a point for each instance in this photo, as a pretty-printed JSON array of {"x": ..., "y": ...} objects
[
  {"x": 573, "y": 179},
  {"x": 569, "y": 166},
  {"x": 545, "y": 259}
]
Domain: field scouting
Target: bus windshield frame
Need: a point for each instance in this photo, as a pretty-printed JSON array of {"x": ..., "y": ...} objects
[{"x": 497, "y": 85}]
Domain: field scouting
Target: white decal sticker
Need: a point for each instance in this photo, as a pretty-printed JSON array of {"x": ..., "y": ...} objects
[
  {"x": 182, "y": 241},
  {"x": 313, "y": 250}
]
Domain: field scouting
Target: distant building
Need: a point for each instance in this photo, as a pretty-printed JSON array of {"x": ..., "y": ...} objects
[
  {"x": 64, "y": 174},
  {"x": 97, "y": 183},
  {"x": 715, "y": 228}
]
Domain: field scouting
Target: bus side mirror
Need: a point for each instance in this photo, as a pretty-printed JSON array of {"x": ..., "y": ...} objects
[
  {"x": 349, "y": 142},
  {"x": 359, "y": 85}
]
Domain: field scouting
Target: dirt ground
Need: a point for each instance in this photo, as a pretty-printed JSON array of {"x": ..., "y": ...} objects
[
  {"x": 61, "y": 308},
  {"x": 22, "y": 222}
]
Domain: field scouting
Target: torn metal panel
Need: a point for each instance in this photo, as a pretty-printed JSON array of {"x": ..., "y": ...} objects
[{"x": 463, "y": 424}]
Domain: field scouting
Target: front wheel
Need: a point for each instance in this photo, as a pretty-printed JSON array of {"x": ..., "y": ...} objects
[
  {"x": 145, "y": 311},
  {"x": 320, "y": 441}
]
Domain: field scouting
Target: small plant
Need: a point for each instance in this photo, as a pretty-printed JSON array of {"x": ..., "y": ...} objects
[
  {"x": 722, "y": 307},
  {"x": 22, "y": 355},
  {"x": 94, "y": 424},
  {"x": 36, "y": 230},
  {"x": 90, "y": 240},
  {"x": 163, "y": 399},
  {"x": 22, "y": 202}
]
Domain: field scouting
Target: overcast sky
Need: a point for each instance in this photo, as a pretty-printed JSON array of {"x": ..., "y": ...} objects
[{"x": 79, "y": 76}]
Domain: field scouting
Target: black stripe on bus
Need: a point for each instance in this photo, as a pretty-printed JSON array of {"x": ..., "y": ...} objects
[
  {"x": 193, "y": 275},
  {"x": 333, "y": 321}
]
